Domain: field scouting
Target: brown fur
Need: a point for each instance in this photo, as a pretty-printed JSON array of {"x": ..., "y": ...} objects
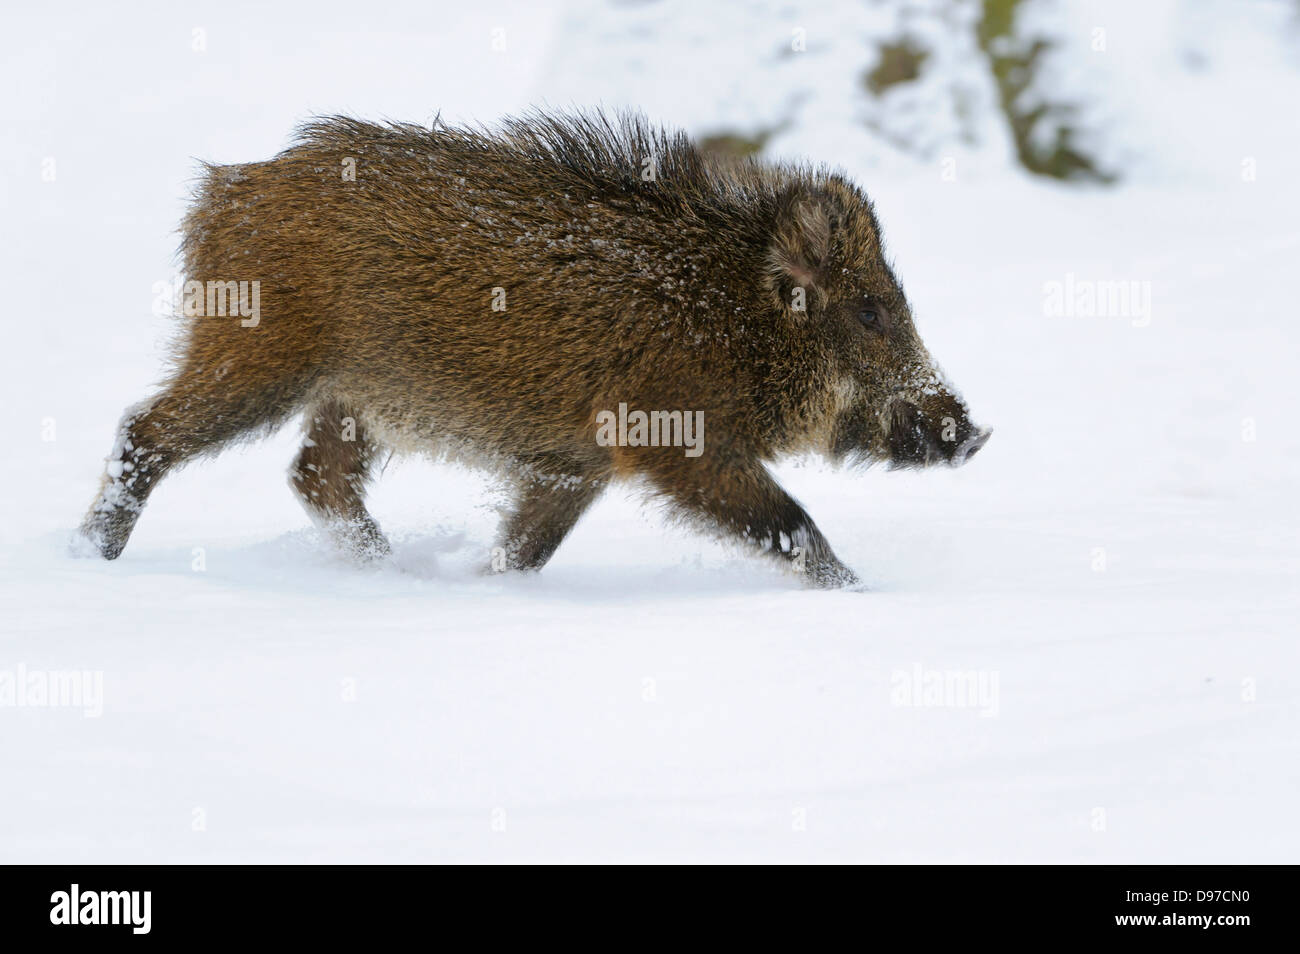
[{"x": 677, "y": 293}]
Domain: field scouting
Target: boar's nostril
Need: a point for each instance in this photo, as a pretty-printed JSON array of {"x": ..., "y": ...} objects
[{"x": 973, "y": 444}]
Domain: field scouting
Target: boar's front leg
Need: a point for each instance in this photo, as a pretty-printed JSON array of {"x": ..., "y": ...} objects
[
  {"x": 546, "y": 509},
  {"x": 743, "y": 502}
]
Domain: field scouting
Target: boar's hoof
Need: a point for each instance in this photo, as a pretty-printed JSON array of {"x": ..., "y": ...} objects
[
  {"x": 105, "y": 533},
  {"x": 831, "y": 576}
]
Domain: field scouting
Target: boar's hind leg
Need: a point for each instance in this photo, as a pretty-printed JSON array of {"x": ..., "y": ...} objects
[
  {"x": 330, "y": 476},
  {"x": 546, "y": 510},
  {"x": 745, "y": 503},
  {"x": 199, "y": 412}
]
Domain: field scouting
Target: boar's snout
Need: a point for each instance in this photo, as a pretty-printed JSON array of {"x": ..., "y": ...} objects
[
  {"x": 933, "y": 430},
  {"x": 973, "y": 443}
]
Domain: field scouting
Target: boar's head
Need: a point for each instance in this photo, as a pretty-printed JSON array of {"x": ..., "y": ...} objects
[{"x": 891, "y": 401}]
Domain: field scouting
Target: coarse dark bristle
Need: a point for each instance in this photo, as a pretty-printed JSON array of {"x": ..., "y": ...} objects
[{"x": 601, "y": 152}]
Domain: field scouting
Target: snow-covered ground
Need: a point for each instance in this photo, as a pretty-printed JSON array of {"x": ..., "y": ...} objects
[{"x": 1116, "y": 573}]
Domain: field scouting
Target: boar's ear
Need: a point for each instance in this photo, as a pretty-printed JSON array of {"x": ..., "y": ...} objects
[{"x": 801, "y": 242}]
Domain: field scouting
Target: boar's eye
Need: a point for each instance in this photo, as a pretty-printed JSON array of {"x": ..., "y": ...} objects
[{"x": 872, "y": 316}]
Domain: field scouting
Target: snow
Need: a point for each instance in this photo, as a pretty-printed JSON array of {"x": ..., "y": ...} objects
[{"x": 1108, "y": 591}]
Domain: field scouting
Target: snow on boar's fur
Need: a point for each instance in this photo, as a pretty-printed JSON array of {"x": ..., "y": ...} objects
[{"x": 568, "y": 301}]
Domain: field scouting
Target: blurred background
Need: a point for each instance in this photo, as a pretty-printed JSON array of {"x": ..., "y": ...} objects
[{"x": 1091, "y": 91}]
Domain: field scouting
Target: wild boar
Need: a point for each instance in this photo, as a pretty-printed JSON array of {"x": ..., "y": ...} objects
[{"x": 568, "y": 301}]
